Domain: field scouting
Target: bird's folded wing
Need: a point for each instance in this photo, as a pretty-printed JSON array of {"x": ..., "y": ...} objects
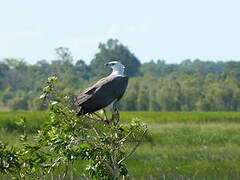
[
  {"x": 111, "y": 87},
  {"x": 84, "y": 96}
]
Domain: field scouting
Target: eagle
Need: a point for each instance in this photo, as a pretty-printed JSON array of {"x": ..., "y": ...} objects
[{"x": 106, "y": 92}]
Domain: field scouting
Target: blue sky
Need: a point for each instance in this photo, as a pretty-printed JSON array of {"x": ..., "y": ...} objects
[{"x": 173, "y": 30}]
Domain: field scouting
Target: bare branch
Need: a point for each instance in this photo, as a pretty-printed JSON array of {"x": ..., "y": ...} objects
[{"x": 134, "y": 148}]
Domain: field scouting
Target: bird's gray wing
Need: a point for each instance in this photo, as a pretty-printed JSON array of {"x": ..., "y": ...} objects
[
  {"x": 87, "y": 93},
  {"x": 103, "y": 93}
]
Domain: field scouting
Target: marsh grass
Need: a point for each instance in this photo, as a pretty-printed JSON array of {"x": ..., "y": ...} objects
[
  {"x": 179, "y": 145},
  {"x": 34, "y": 120},
  {"x": 195, "y": 151}
]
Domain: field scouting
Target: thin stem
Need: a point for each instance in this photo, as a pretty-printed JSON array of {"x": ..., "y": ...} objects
[
  {"x": 134, "y": 148},
  {"x": 98, "y": 116},
  {"x": 52, "y": 166},
  {"x": 115, "y": 165},
  {"x": 65, "y": 173},
  {"x": 19, "y": 175},
  {"x": 105, "y": 114},
  {"x": 93, "y": 119},
  {"x": 124, "y": 138},
  {"x": 97, "y": 132}
]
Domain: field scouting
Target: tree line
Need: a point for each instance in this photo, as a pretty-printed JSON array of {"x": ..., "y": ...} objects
[{"x": 192, "y": 85}]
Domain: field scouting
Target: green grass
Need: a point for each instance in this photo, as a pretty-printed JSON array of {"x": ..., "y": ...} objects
[
  {"x": 195, "y": 151},
  {"x": 179, "y": 145},
  {"x": 36, "y": 119},
  {"x": 183, "y": 117}
]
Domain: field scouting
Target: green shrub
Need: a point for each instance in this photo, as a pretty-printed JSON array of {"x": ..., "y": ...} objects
[{"x": 66, "y": 139}]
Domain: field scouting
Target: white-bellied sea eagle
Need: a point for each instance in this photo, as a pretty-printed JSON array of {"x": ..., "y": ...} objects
[{"x": 107, "y": 91}]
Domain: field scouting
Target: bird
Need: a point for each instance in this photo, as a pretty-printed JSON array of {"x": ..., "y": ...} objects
[{"x": 104, "y": 93}]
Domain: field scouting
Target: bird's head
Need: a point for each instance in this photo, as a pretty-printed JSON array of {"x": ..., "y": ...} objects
[{"x": 116, "y": 66}]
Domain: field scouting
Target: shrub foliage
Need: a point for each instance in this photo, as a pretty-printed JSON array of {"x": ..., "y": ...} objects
[{"x": 66, "y": 139}]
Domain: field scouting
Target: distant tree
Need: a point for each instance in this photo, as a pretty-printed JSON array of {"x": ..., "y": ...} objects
[
  {"x": 16, "y": 77},
  {"x": 19, "y": 103},
  {"x": 111, "y": 51},
  {"x": 82, "y": 70},
  {"x": 37, "y": 104},
  {"x": 4, "y": 68},
  {"x": 6, "y": 95},
  {"x": 143, "y": 98},
  {"x": 129, "y": 99},
  {"x": 158, "y": 69},
  {"x": 232, "y": 68},
  {"x": 64, "y": 54},
  {"x": 155, "y": 85},
  {"x": 170, "y": 96}
]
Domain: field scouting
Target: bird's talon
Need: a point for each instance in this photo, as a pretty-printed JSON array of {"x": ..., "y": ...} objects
[{"x": 107, "y": 122}]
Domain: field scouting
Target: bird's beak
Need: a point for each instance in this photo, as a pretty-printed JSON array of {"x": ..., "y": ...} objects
[{"x": 106, "y": 64}]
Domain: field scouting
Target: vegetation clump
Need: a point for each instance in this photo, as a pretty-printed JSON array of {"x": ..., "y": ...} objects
[
  {"x": 192, "y": 85},
  {"x": 66, "y": 139}
]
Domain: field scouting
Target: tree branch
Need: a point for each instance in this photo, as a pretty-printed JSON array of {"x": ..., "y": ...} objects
[{"x": 134, "y": 149}]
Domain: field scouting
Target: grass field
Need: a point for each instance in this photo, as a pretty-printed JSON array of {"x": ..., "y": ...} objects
[{"x": 180, "y": 145}]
